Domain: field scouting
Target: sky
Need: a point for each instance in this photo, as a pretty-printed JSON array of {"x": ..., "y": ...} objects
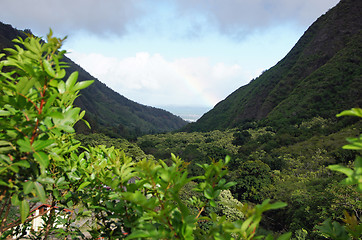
[{"x": 171, "y": 53}]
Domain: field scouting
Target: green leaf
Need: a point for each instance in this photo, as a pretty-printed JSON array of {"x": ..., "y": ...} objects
[
  {"x": 2, "y": 183},
  {"x": 229, "y": 185},
  {"x": 46, "y": 180},
  {"x": 357, "y": 112},
  {"x": 82, "y": 85},
  {"x": 41, "y": 144},
  {"x": 83, "y": 185},
  {"x": 208, "y": 193},
  {"x": 4, "y": 113},
  {"x": 165, "y": 175},
  {"x": 25, "y": 145},
  {"x": 23, "y": 163},
  {"x": 28, "y": 186},
  {"x": 25, "y": 84},
  {"x": 5, "y": 146},
  {"x": 71, "y": 81},
  {"x": 66, "y": 128},
  {"x": 342, "y": 169},
  {"x": 246, "y": 224},
  {"x": 48, "y": 68},
  {"x": 40, "y": 191},
  {"x": 86, "y": 123},
  {"x": 358, "y": 164},
  {"x": 42, "y": 159},
  {"x": 277, "y": 205},
  {"x": 24, "y": 210},
  {"x": 87, "y": 213},
  {"x": 50, "y": 101},
  {"x": 333, "y": 230},
  {"x": 61, "y": 87},
  {"x": 70, "y": 204},
  {"x": 53, "y": 83},
  {"x": 356, "y": 144},
  {"x": 3, "y": 169},
  {"x": 15, "y": 200},
  {"x": 57, "y": 115},
  {"x": 221, "y": 182},
  {"x": 285, "y": 236},
  {"x": 227, "y": 159},
  {"x": 61, "y": 181},
  {"x": 60, "y": 74},
  {"x": 14, "y": 168},
  {"x": 269, "y": 237},
  {"x": 4, "y": 143}
]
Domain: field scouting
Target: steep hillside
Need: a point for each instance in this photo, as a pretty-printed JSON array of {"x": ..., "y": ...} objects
[
  {"x": 121, "y": 116},
  {"x": 107, "y": 110},
  {"x": 321, "y": 75}
]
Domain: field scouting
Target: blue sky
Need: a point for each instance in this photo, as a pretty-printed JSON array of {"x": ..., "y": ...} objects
[{"x": 176, "y": 52}]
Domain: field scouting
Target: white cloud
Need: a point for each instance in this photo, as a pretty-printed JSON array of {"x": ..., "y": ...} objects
[
  {"x": 68, "y": 16},
  {"x": 187, "y": 18},
  {"x": 153, "y": 80},
  {"x": 236, "y": 17}
]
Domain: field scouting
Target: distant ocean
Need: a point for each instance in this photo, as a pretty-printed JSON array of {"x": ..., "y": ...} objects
[{"x": 188, "y": 113}]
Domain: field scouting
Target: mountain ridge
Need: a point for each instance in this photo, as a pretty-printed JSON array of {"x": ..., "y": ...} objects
[{"x": 267, "y": 96}]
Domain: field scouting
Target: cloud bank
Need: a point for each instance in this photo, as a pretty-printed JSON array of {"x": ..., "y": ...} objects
[
  {"x": 233, "y": 17},
  {"x": 152, "y": 79},
  {"x": 67, "y": 16},
  {"x": 236, "y": 16}
]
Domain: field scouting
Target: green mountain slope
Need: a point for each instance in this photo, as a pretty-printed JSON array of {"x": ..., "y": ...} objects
[
  {"x": 107, "y": 110},
  {"x": 321, "y": 75}
]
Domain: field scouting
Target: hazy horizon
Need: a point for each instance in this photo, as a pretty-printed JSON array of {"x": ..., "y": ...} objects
[{"x": 187, "y": 113}]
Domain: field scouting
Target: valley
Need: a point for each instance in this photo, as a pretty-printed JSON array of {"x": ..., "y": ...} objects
[{"x": 188, "y": 173}]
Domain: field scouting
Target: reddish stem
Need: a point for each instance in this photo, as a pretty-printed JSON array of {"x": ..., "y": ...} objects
[{"x": 40, "y": 110}]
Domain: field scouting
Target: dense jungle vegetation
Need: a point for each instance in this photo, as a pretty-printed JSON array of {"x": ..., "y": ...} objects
[
  {"x": 288, "y": 165},
  {"x": 117, "y": 191},
  {"x": 268, "y": 162},
  {"x": 106, "y": 192}
]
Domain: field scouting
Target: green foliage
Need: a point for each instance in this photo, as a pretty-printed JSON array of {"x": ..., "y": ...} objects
[
  {"x": 300, "y": 234},
  {"x": 334, "y": 230},
  {"x": 241, "y": 137},
  {"x": 192, "y": 147},
  {"x": 251, "y": 178},
  {"x": 117, "y": 191},
  {"x": 117, "y": 197},
  {"x": 353, "y": 228},
  {"x": 230, "y": 207},
  {"x": 265, "y": 168},
  {"x": 95, "y": 139},
  {"x": 354, "y": 176},
  {"x": 37, "y": 119}
]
